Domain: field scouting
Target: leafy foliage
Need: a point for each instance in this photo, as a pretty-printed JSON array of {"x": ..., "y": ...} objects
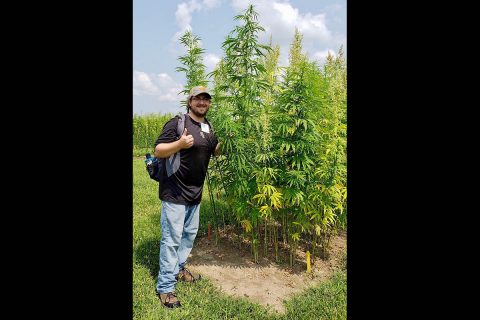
[{"x": 192, "y": 63}]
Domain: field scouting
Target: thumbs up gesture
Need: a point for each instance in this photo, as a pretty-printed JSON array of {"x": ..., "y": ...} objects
[{"x": 186, "y": 140}]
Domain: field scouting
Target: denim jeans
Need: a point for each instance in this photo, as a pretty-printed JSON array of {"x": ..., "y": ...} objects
[{"x": 179, "y": 228}]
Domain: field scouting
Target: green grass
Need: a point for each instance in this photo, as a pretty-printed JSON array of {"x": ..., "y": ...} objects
[
  {"x": 140, "y": 152},
  {"x": 203, "y": 300}
]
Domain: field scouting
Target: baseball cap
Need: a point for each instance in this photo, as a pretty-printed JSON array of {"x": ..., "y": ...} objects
[{"x": 195, "y": 91}]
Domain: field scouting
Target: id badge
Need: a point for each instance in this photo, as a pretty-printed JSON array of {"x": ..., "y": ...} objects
[{"x": 205, "y": 127}]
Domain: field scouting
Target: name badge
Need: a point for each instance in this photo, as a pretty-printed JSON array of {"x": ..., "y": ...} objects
[{"x": 205, "y": 127}]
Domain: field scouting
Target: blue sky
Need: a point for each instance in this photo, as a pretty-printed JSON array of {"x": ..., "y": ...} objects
[{"x": 157, "y": 25}]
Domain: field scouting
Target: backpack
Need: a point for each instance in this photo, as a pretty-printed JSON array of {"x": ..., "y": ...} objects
[{"x": 154, "y": 165}]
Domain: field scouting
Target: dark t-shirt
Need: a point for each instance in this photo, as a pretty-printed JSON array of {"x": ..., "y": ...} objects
[{"x": 185, "y": 186}]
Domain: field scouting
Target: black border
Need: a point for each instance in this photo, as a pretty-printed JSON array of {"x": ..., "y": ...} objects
[{"x": 76, "y": 190}]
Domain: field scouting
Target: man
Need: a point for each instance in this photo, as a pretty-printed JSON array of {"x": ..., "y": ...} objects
[{"x": 181, "y": 191}]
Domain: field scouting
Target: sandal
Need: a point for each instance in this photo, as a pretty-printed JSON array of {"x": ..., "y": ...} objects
[
  {"x": 169, "y": 299},
  {"x": 187, "y": 276}
]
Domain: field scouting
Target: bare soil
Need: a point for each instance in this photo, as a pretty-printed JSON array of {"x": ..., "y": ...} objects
[{"x": 267, "y": 282}]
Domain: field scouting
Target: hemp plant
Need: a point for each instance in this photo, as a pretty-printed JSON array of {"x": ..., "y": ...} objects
[
  {"x": 296, "y": 138},
  {"x": 268, "y": 198},
  {"x": 192, "y": 63},
  {"x": 283, "y": 135},
  {"x": 240, "y": 100},
  {"x": 330, "y": 191}
]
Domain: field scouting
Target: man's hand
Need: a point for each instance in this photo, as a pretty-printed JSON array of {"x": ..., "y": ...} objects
[
  {"x": 218, "y": 149},
  {"x": 186, "y": 141}
]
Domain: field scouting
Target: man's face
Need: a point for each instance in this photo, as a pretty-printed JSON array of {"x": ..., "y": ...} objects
[{"x": 200, "y": 104}]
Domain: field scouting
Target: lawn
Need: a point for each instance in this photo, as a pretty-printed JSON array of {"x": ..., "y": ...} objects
[{"x": 203, "y": 300}]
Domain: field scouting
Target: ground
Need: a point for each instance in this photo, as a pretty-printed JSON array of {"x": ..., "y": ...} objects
[{"x": 268, "y": 283}]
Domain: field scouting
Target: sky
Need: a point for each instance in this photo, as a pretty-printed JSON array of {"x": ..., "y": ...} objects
[{"x": 157, "y": 25}]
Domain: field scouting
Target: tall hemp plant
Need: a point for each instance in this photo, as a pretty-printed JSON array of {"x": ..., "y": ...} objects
[
  {"x": 296, "y": 138},
  {"x": 330, "y": 191},
  {"x": 220, "y": 115},
  {"x": 192, "y": 63},
  {"x": 239, "y": 98},
  {"x": 268, "y": 198}
]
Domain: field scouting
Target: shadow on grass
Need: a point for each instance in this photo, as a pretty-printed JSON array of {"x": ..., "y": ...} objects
[{"x": 147, "y": 254}]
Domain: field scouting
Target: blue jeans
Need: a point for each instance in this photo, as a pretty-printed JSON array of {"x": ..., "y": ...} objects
[{"x": 179, "y": 228}]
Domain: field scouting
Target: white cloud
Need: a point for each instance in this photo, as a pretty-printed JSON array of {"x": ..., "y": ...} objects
[
  {"x": 280, "y": 18},
  {"x": 161, "y": 86},
  {"x": 156, "y": 93},
  {"x": 142, "y": 84},
  {"x": 171, "y": 94},
  {"x": 183, "y": 14},
  {"x": 210, "y": 61},
  {"x": 314, "y": 27},
  {"x": 321, "y": 56},
  {"x": 287, "y": 13}
]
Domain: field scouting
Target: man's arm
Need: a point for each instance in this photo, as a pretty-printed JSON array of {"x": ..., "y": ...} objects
[{"x": 165, "y": 150}]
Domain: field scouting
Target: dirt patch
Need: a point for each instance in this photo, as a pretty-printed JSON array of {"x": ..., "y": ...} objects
[{"x": 232, "y": 270}]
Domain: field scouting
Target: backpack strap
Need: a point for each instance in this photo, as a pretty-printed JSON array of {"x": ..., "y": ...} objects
[
  {"x": 173, "y": 162},
  {"x": 180, "y": 125}
]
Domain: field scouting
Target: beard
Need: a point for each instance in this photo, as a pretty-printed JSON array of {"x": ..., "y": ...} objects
[{"x": 196, "y": 111}]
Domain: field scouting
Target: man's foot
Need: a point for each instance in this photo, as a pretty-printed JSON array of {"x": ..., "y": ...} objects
[
  {"x": 169, "y": 299},
  {"x": 187, "y": 276}
]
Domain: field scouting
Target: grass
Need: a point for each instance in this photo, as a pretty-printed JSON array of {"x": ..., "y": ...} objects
[
  {"x": 203, "y": 300},
  {"x": 140, "y": 152}
]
